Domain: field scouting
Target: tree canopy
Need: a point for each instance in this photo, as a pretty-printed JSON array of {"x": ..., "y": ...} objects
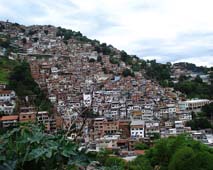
[
  {"x": 21, "y": 81},
  {"x": 28, "y": 147}
]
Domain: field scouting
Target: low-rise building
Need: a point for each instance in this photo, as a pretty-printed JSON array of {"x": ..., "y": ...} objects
[
  {"x": 137, "y": 128},
  {"x": 9, "y": 121},
  {"x": 7, "y": 95},
  {"x": 152, "y": 128},
  {"x": 27, "y": 116},
  {"x": 43, "y": 118}
]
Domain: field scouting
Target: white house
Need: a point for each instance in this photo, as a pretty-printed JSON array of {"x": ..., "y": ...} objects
[
  {"x": 87, "y": 99},
  {"x": 152, "y": 127},
  {"x": 7, "y": 95},
  {"x": 137, "y": 128}
]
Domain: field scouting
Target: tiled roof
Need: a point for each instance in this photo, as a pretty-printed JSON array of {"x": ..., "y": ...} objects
[
  {"x": 12, "y": 117},
  {"x": 5, "y": 91}
]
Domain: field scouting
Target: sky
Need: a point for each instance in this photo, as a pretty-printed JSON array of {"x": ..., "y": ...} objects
[{"x": 165, "y": 30}]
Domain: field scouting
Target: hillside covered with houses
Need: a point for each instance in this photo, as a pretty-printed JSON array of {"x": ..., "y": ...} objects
[{"x": 96, "y": 93}]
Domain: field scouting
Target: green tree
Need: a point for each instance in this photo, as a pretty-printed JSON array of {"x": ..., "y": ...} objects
[
  {"x": 182, "y": 159},
  {"x": 127, "y": 72},
  {"x": 103, "y": 155},
  {"x": 24, "y": 40},
  {"x": 141, "y": 146},
  {"x": 211, "y": 77},
  {"x": 99, "y": 59},
  {"x": 136, "y": 67},
  {"x": 183, "y": 78},
  {"x": 188, "y": 159},
  {"x": 167, "y": 153},
  {"x": 140, "y": 163},
  {"x": 5, "y": 42},
  {"x": 33, "y": 149},
  {"x": 23, "y": 84},
  {"x": 115, "y": 163},
  {"x": 208, "y": 110},
  {"x": 106, "y": 50},
  {"x": 199, "y": 123},
  {"x": 46, "y": 32},
  {"x": 91, "y": 60},
  {"x": 113, "y": 60},
  {"x": 104, "y": 70},
  {"x": 198, "y": 79},
  {"x": 126, "y": 58},
  {"x": 159, "y": 72}
]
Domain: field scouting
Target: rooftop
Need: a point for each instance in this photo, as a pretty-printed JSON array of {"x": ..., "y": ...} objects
[{"x": 12, "y": 117}]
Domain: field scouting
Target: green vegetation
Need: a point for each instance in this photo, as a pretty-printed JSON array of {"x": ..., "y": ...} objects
[
  {"x": 6, "y": 66},
  {"x": 141, "y": 146},
  {"x": 208, "y": 110},
  {"x": 33, "y": 149},
  {"x": 140, "y": 163},
  {"x": 173, "y": 153},
  {"x": 46, "y": 32},
  {"x": 103, "y": 48},
  {"x": 2, "y": 27},
  {"x": 32, "y": 32},
  {"x": 126, "y": 58},
  {"x": 195, "y": 88},
  {"x": 104, "y": 70},
  {"x": 159, "y": 72},
  {"x": 114, "y": 162},
  {"x": 136, "y": 67},
  {"x": 91, "y": 60},
  {"x": 180, "y": 153},
  {"x": 23, "y": 84},
  {"x": 127, "y": 72},
  {"x": 202, "y": 120},
  {"x": 99, "y": 59},
  {"x": 113, "y": 60},
  {"x": 199, "y": 123},
  {"x": 68, "y": 34},
  {"x": 4, "y": 41}
]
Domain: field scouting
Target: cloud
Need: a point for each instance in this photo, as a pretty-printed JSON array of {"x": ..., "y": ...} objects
[{"x": 171, "y": 30}]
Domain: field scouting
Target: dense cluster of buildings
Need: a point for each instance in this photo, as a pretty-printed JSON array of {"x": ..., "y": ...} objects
[
  {"x": 79, "y": 80},
  {"x": 189, "y": 71}
]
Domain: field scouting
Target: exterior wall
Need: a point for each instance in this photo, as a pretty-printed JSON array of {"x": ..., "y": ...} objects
[
  {"x": 43, "y": 118},
  {"x": 137, "y": 131},
  {"x": 27, "y": 117},
  {"x": 7, "y": 95},
  {"x": 7, "y": 109},
  {"x": 8, "y": 121},
  {"x": 124, "y": 128},
  {"x": 152, "y": 127},
  {"x": 98, "y": 126},
  {"x": 111, "y": 127}
]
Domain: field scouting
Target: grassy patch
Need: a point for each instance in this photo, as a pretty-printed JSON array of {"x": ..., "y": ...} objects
[{"x": 6, "y": 66}]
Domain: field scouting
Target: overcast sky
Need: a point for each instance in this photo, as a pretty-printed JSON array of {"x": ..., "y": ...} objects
[{"x": 165, "y": 30}]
